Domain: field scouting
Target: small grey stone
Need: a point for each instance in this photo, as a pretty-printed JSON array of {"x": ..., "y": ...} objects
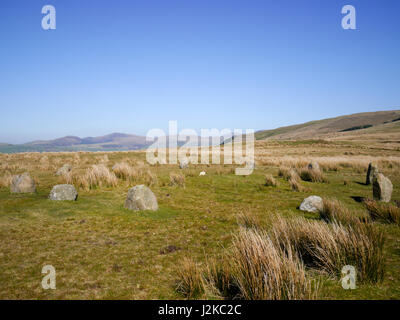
[
  {"x": 311, "y": 204},
  {"x": 141, "y": 198},
  {"x": 64, "y": 170},
  {"x": 63, "y": 192},
  {"x": 314, "y": 166}
]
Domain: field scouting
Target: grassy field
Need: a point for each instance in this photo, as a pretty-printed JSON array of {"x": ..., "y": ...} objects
[{"x": 102, "y": 251}]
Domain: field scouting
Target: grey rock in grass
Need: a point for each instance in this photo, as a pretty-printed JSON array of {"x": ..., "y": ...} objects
[
  {"x": 184, "y": 164},
  {"x": 64, "y": 170},
  {"x": 314, "y": 166},
  {"x": 382, "y": 188},
  {"x": 311, "y": 204},
  {"x": 141, "y": 198},
  {"x": 63, "y": 192},
  {"x": 22, "y": 183},
  {"x": 372, "y": 170}
]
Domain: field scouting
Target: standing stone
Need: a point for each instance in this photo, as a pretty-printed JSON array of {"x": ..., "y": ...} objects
[
  {"x": 63, "y": 192},
  {"x": 314, "y": 166},
  {"x": 22, "y": 183},
  {"x": 64, "y": 170},
  {"x": 312, "y": 204},
  {"x": 372, "y": 169},
  {"x": 184, "y": 164},
  {"x": 141, "y": 198},
  {"x": 382, "y": 188}
]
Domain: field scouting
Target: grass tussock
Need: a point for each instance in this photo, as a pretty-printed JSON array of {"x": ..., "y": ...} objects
[
  {"x": 384, "y": 212},
  {"x": 150, "y": 178},
  {"x": 126, "y": 172},
  {"x": 191, "y": 284},
  {"x": 5, "y": 180},
  {"x": 247, "y": 219},
  {"x": 288, "y": 173},
  {"x": 94, "y": 177},
  {"x": 177, "y": 179},
  {"x": 264, "y": 271},
  {"x": 334, "y": 211},
  {"x": 312, "y": 175},
  {"x": 254, "y": 269},
  {"x": 330, "y": 247},
  {"x": 295, "y": 185},
  {"x": 270, "y": 181}
]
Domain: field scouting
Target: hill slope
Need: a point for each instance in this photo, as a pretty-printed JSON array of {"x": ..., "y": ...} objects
[{"x": 343, "y": 127}]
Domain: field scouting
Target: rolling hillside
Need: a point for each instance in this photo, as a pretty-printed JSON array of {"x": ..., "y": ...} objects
[{"x": 357, "y": 126}]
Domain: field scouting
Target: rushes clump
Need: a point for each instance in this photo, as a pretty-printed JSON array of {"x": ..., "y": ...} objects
[
  {"x": 191, "y": 284},
  {"x": 312, "y": 175},
  {"x": 383, "y": 212},
  {"x": 125, "y": 172},
  {"x": 295, "y": 184},
  {"x": 288, "y": 173},
  {"x": 177, "y": 179},
  {"x": 270, "y": 181},
  {"x": 5, "y": 180},
  {"x": 96, "y": 176},
  {"x": 329, "y": 247},
  {"x": 247, "y": 219},
  {"x": 334, "y": 211},
  {"x": 264, "y": 271}
]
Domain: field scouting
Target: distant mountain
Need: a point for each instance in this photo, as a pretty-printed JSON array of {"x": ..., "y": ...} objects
[
  {"x": 110, "y": 142},
  {"x": 360, "y": 125}
]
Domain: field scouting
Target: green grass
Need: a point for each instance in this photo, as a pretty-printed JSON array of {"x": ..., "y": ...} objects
[{"x": 103, "y": 251}]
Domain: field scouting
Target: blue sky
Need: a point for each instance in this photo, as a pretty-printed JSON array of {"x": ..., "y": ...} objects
[{"x": 129, "y": 66}]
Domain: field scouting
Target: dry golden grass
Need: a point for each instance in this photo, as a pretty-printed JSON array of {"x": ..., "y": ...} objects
[
  {"x": 124, "y": 171},
  {"x": 295, "y": 185},
  {"x": 288, "y": 173},
  {"x": 191, "y": 284},
  {"x": 264, "y": 271},
  {"x": 5, "y": 180},
  {"x": 177, "y": 179},
  {"x": 92, "y": 178},
  {"x": 330, "y": 247},
  {"x": 334, "y": 211},
  {"x": 384, "y": 212},
  {"x": 270, "y": 181},
  {"x": 312, "y": 175},
  {"x": 150, "y": 178},
  {"x": 247, "y": 219}
]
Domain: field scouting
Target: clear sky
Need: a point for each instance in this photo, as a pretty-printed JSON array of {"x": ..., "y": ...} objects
[{"x": 129, "y": 66}]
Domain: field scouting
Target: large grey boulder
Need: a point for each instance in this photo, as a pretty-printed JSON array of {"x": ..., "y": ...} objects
[
  {"x": 382, "y": 188},
  {"x": 63, "y": 192},
  {"x": 23, "y": 183},
  {"x": 312, "y": 204},
  {"x": 141, "y": 198},
  {"x": 64, "y": 170},
  {"x": 372, "y": 170}
]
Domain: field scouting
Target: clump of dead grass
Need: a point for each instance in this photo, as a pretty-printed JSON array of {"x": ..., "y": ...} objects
[
  {"x": 177, "y": 179},
  {"x": 334, "y": 211},
  {"x": 384, "y": 212},
  {"x": 312, "y": 175},
  {"x": 270, "y": 181},
  {"x": 330, "y": 247}
]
